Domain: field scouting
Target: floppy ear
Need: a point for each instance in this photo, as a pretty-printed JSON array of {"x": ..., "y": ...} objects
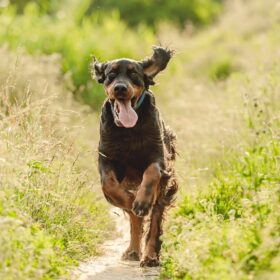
[
  {"x": 158, "y": 62},
  {"x": 98, "y": 70}
]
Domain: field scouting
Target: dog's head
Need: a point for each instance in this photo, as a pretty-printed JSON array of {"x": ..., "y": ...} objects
[{"x": 125, "y": 80}]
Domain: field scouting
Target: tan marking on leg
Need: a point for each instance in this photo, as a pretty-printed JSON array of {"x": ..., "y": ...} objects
[
  {"x": 115, "y": 193},
  {"x": 147, "y": 192},
  {"x": 133, "y": 252}
]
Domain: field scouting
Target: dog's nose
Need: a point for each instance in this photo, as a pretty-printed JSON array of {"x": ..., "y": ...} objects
[{"x": 120, "y": 90}]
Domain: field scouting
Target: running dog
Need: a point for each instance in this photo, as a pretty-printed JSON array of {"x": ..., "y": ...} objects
[{"x": 136, "y": 149}]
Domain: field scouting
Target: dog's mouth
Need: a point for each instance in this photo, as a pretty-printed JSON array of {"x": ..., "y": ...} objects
[{"x": 124, "y": 113}]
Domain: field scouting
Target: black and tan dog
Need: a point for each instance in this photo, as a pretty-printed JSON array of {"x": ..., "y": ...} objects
[{"x": 136, "y": 149}]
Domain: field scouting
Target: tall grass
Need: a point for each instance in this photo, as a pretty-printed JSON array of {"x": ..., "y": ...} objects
[
  {"x": 230, "y": 229},
  {"x": 226, "y": 225},
  {"x": 51, "y": 214}
]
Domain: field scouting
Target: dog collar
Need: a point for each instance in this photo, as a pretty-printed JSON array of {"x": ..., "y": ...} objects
[{"x": 140, "y": 101}]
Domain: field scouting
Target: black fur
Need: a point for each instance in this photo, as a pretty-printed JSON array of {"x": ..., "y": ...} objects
[
  {"x": 149, "y": 141},
  {"x": 128, "y": 152}
]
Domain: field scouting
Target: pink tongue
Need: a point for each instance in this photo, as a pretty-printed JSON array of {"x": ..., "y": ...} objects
[{"x": 127, "y": 116}]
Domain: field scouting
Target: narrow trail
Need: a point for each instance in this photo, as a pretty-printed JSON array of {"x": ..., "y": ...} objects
[{"x": 110, "y": 266}]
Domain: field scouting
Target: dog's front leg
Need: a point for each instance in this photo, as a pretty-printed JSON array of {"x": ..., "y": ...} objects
[{"x": 147, "y": 192}]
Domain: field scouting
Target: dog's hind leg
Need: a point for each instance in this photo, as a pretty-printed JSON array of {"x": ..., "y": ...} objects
[
  {"x": 153, "y": 242},
  {"x": 133, "y": 251}
]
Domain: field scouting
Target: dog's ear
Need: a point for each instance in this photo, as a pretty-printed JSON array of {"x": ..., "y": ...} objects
[
  {"x": 158, "y": 62},
  {"x": 98, "y": 70}
]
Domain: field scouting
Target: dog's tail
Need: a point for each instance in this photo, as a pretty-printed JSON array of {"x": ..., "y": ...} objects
[{"x": 169, "y": 187}]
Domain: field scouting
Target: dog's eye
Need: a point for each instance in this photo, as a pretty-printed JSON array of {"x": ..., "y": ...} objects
[
  {"x": 112, "y": 76},
  {"x": 133, "y": 74}
]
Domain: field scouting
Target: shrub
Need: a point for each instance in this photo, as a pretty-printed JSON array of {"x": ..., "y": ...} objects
[
  {"x": 137, "y": 12},
  {"x": 221, "y": 69}
]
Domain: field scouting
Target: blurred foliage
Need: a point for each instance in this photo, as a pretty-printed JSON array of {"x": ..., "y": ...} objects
[
  {"x": 79, "y": 29},
  {"x": 221, "y": 69},
  {"x": 75, "y": 40},
  {"x": 151, "y": 12},
  {"x": 135, "y": 12},
  {"x": 45, "y": 6}
]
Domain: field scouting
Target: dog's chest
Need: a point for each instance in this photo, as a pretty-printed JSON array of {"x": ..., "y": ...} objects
[
  {"x": 132, "y": 148},
  {"x": 137, "y": 146}
]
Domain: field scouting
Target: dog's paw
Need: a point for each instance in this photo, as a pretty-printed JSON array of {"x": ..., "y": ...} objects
[
  {"x": 141, "y": 207},
  {"x": 130, "y": 255},
  {"x": 149, "y": 261}
]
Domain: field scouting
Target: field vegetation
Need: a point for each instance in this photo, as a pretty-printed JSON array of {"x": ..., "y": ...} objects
[
  {"x": 224, "y": 105},
  {"x": 51, "y": 212}
]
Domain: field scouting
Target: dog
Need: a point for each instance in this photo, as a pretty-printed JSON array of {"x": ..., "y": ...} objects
[{"x": 136, "y": 150}]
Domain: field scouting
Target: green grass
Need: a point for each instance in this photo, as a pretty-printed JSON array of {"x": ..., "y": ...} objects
[
  {"x": 51, "y": 211},
  {"x": 226, "y": 224},
  {"x": 231, "y": 230},
  {"x": 228, "y": 228}
]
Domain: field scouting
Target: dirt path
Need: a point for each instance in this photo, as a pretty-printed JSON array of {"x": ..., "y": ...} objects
[{"x": 110, "y": 266}]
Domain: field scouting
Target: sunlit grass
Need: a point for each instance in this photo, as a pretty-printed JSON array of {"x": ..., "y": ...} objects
[
  {"x": 226, "y": 224},
  {"x": 51, "y": 212}
]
